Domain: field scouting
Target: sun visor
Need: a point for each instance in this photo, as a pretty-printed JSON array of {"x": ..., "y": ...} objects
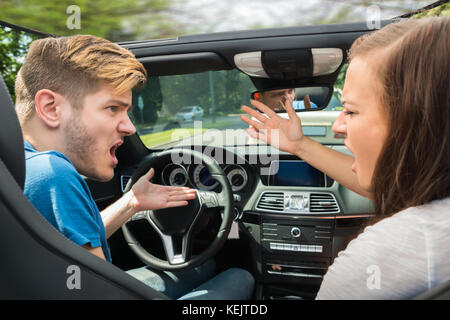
[{"x": 289, "y": 64}]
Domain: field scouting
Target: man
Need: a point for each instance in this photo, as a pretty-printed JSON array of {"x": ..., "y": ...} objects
[
  {"x": 276, "y": 99},
  {"x": 73, "y": 98}
]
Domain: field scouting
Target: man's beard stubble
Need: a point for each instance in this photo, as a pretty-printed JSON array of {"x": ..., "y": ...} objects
[{"x": 80, "y": 147}]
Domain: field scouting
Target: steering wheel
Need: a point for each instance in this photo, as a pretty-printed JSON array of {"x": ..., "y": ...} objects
[{"x": 175, "y": 225}]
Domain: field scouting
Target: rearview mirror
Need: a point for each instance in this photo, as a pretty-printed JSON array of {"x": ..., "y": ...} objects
[{"x": 303, "y": 98}]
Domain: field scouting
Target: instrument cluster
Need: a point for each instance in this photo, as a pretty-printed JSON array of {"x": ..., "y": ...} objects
[{"x": 198, "y": 176}]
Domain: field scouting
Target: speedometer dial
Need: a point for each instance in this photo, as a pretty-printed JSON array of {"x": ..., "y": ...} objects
[
  {"x": 237, "y": 177},
  {"x": 178, "y": 177},
  {"x": 202, "y": 178},
  {"x": 174, "y": 175}
]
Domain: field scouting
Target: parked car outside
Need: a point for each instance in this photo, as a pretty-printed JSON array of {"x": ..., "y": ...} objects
[{"x": 190, "y": 113}]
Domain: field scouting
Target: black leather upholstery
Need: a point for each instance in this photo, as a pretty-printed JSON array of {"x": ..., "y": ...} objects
[
  {"x": 440, "y": 292},
  {"x": 11, "y": 141},
  {"x": 35, "y": 258}
]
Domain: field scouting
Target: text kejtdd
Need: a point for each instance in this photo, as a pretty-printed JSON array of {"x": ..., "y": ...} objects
[{"x": 230, "y": 309}]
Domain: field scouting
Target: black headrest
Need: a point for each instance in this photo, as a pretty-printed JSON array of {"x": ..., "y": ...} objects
[{"x": 11, "y": 140}]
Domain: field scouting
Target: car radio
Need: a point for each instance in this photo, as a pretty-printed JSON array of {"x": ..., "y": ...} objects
[{"x": 301, "y": 250}]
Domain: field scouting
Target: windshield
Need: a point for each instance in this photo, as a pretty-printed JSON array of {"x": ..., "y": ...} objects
[
  {"x": 127, "y": 20},
  {"x": 205, "y": 108},
  {"x": 213, "y": 98}
]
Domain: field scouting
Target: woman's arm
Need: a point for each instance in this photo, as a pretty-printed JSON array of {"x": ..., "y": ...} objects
[
  {"x": 287, "y": 135},
  {"x": 335, "y": 164}
]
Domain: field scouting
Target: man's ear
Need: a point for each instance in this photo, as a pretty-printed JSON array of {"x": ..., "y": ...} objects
[{"x": 48, "y": 107}]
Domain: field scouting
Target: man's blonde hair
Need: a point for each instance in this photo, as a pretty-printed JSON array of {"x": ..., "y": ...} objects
[{"x": 74, "y": 67}]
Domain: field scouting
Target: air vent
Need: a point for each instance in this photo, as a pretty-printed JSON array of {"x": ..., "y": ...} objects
[
  {"x": 271, "y": 201},
  {"x": 124, "y": 181},
  {"x": 322, "y": 203}
]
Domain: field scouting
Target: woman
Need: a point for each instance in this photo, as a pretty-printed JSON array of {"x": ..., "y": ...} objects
[{"x": 396, "y": 121}]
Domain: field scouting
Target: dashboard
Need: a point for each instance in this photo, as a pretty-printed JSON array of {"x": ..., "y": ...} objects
[
  {"x": 263, "y": 180},
  {"x": 294, "y": 217}
]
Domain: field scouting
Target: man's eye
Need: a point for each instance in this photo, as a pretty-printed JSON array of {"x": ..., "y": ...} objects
[
  {"x": 347, "y": 112},
  {"x": 112, "y": 108}
]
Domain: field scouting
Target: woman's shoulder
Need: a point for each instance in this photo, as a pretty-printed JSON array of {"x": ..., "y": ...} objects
[
  {"x": 409, "y": 250},
  {"x": 408, "y": 234},
  {"x": 434, "y": 212},
  {"x": 427, "y": 217}
]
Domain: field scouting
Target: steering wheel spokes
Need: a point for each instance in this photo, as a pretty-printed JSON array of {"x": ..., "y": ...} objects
[
  {"x": 177, "y": 247},
  {"x": 175, "y": 226},
  {"x": 211, "y": 199}
]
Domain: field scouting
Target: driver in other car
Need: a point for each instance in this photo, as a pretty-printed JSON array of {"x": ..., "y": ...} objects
[
  {"x": 276, "y": 99},
  {"x": 73, "y": 98}
]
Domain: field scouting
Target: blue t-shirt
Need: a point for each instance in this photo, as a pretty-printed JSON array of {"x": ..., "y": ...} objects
[
  {"x": 61, "y": 195},
  {"x": 300, "y": 105}
]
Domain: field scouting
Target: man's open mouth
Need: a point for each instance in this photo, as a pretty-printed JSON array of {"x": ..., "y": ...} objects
[{"x": 112, "y": 152}]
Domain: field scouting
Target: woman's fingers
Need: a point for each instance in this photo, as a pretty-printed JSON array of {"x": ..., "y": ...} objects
[
  {"x": 263, "y": 108},
  {"x": 255, "y": 114},
  {"x": 290, "y": 109},
  {"x": 253, "y": 123},
  {"x": 257, "y": 134}
]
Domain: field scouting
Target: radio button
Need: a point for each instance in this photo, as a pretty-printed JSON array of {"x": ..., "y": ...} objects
[{"x": 296, "y": 232}]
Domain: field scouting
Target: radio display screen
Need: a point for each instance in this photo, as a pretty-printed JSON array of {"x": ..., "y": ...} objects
[{"x": 296, "y": 174}]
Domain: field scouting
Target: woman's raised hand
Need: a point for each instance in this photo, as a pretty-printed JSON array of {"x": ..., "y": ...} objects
[{"x": 281, "y": 133}]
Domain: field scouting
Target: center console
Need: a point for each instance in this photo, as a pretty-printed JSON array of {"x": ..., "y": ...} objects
[
  {"x": 297, "y": 221},
  {"x": 292, "y": 225},
  {"x": 295, "y": 251}
]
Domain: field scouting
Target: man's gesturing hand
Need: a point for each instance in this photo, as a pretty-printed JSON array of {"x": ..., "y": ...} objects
[{"x": 150, "y": 196}]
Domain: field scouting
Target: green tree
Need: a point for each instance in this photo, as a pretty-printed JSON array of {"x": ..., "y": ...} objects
[
  {"x": 113, "y": 20},
  {"x": 442, "y": 10},
  {"x": 13, "y": 48},
  {"x": 231, "y": 90}
]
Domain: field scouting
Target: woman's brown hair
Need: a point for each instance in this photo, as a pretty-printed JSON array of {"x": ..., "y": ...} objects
[{"x": 414, "y": 165}]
